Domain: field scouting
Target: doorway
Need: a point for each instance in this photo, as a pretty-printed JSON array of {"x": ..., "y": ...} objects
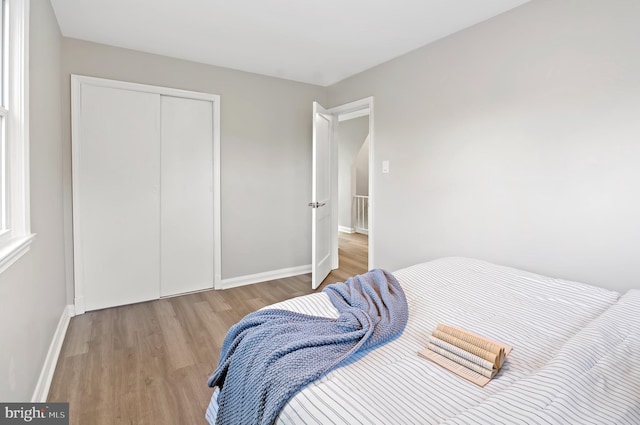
[
  {"x": 353, "y": 175},
  {"x": 353, "y": 192},
  {"x": 351, "y": 142}
]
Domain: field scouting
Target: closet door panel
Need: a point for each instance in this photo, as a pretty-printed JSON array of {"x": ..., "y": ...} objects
[
  {"x": 119, "y": 196},
  {"x": 186, "y": 195}
]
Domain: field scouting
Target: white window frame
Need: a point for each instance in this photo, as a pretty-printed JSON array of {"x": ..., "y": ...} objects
[{"x": 16, "y": 238}]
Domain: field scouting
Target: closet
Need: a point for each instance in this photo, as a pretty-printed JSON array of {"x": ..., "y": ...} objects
[{"x": 145, "y": 192}]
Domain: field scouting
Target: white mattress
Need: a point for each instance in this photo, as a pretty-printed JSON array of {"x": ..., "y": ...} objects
[{"x": 392, "y": 384}]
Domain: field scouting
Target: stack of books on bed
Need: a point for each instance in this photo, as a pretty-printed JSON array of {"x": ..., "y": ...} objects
[{"x": 466, "y": 354}]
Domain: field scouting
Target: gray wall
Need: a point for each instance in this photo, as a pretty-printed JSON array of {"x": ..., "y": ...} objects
[
  {"x": 514, "y": 141},
  {"x": 265, "y": 146},
  {"x": 32, "y": 290},
  {"x": 362, "y": 169},
  {"x": 351, "y": 135}
]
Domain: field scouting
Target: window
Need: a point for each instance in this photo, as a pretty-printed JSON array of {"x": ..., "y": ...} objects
[
  {"x": 3, "y": 116},
  {"x": 15, "y": 232}
]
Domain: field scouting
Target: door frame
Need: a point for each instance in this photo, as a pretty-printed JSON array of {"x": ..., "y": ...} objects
[
  {"x": 77, "y": 81},
  {"x": 343, "y": 112}
]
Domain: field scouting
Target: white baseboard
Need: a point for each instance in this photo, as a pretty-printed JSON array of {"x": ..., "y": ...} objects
[
  {"x": 363, "y": 231},
  {"x": 46, "y": 375},
  {"x": 263, "y": 277},
  {"x": 345, "y": 229}
]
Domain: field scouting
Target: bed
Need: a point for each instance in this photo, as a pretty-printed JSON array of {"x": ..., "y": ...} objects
[{"x": 576, "y": 355}]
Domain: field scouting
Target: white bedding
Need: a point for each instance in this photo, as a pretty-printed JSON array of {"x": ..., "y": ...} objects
[
  {"x": 594, "y": 378},
  {"x": 537, "y": 315}
]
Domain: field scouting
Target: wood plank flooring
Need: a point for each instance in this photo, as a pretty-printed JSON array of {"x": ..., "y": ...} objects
[{"x": 148, "y": 363}]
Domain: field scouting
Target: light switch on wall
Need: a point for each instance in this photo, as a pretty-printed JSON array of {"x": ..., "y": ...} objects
[{"x": 385, "y": 166}]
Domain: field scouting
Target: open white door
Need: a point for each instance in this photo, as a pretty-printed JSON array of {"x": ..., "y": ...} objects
[{"x": 321, "y": 218}]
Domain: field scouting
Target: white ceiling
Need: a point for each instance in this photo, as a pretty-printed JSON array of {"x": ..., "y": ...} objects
[{"x": 319, "y": 43}]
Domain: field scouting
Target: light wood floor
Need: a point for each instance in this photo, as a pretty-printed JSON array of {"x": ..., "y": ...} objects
[{"x": 148, "y": 363}]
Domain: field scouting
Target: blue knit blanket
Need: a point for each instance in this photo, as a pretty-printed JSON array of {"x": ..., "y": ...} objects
[{"x": 272, "y": 354}]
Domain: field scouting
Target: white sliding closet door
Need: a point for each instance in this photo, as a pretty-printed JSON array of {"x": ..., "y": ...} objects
[
  {"x": 186, "y": 195},
  {"x": 119, "y": 189},
  {"x": 146, "y": 191}
]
